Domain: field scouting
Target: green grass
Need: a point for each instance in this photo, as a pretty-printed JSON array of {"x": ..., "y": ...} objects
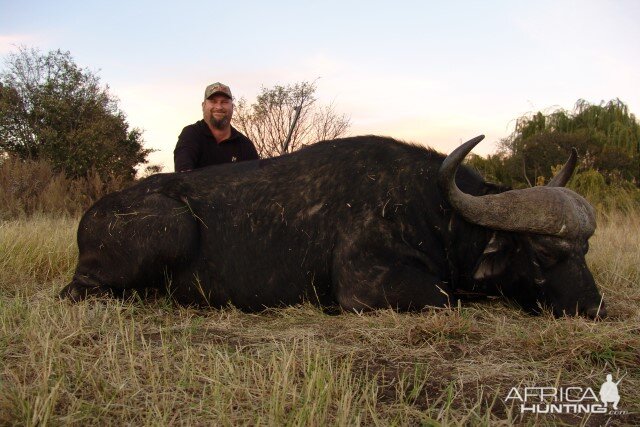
[{"x": 110, "y": 362}]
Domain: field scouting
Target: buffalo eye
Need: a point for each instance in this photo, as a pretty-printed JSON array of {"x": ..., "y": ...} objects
[
  {"x": 550, "y": 250},
  {"x": 547, "y": 259}
]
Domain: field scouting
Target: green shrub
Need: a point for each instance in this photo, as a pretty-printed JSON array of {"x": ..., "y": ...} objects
[{"x": 618, "y": 194}]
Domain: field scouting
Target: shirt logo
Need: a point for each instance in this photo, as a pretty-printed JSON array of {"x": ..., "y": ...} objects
[{"x": 234, "y": 159}]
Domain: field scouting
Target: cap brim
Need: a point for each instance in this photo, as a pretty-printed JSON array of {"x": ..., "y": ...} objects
[{"x": 220, "y": 93}]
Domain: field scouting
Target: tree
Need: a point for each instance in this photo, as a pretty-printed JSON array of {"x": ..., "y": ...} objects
[
  {"x": 54, "y": 110},
  {"x": 267, "y": 121},
  {"x": 606, "y": 136}
]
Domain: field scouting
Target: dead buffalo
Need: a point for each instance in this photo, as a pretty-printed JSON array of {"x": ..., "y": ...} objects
[{"x": 364, "y": 223}]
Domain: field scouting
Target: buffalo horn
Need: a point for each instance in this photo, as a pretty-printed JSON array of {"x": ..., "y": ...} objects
[
  {"x": 562, "y": 177},
  {"x": 550, "y": 210}
]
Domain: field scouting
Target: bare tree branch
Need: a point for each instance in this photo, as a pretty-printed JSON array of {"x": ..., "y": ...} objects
[{"x": 267, "y": 121}]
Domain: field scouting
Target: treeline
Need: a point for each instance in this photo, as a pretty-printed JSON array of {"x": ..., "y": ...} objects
[
  {"x": 53, "y": 110},
  {"x": 606, "y": 136},
  {"x": 64, "y": 142}
]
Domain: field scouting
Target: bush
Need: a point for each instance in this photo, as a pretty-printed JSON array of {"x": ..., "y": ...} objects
[
  {"x": 52, "y": 109},
  {"x": 618, "y": 194},
  {"x": 30, "y": 187}
]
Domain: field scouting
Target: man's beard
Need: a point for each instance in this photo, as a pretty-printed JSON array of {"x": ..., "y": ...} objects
[{"x": 219, "y": 124}]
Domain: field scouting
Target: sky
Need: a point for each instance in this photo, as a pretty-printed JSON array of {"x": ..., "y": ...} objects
[{"x": 431, "y": 72}]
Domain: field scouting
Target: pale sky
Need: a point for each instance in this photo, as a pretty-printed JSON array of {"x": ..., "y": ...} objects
[{"x": 432, "y": 72}]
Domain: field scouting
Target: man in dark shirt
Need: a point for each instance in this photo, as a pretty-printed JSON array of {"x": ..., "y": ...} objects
[{"x": 213, "y": 140}]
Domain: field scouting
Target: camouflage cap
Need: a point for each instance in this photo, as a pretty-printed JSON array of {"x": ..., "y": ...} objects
[{"x": 217, "y": 88}]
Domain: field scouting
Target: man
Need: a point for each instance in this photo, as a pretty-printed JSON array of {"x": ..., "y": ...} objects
[{"x": 213, "y": 140}]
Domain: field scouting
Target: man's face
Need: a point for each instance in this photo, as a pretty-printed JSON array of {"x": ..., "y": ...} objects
[{"x": 217, "y": 110}]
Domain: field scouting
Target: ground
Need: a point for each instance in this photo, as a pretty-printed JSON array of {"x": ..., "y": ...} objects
[{"x": 149, "y": 362}]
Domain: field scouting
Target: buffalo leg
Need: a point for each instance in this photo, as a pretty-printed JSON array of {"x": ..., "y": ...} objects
[
  {"x": 374, "y": 277},
  {"x": 81, "y": 287},
  {"x": 132, "y": 247}
]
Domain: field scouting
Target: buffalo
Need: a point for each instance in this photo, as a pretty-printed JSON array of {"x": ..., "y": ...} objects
[{"x": 361, "y": 223}]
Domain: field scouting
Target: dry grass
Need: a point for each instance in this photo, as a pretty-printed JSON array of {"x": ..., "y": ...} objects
[
  {"x": 30, "y": 187},
  {"x": 151, "y": 363}
]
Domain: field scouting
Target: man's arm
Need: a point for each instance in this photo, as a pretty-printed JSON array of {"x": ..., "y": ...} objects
[
  {"x": 252, "y": 153},
  {"x": 185, "y": 155}
]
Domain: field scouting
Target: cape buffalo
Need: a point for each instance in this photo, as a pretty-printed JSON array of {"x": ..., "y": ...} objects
[{"x": 364, "y": 222}]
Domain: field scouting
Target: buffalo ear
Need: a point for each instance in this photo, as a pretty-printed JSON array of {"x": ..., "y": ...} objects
[{"x": 495, "y": 258}]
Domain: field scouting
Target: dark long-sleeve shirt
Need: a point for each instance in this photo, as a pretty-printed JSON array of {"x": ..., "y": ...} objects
[{"x": 197, "y": 147}]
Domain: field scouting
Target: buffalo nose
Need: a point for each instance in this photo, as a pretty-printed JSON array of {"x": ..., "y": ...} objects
[{"x": 597, "y": 312}]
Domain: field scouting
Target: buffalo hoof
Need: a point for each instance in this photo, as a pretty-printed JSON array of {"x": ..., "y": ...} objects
[
  {"x": 596, "y": 313},
  {"x": 77, "y": 292}
]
